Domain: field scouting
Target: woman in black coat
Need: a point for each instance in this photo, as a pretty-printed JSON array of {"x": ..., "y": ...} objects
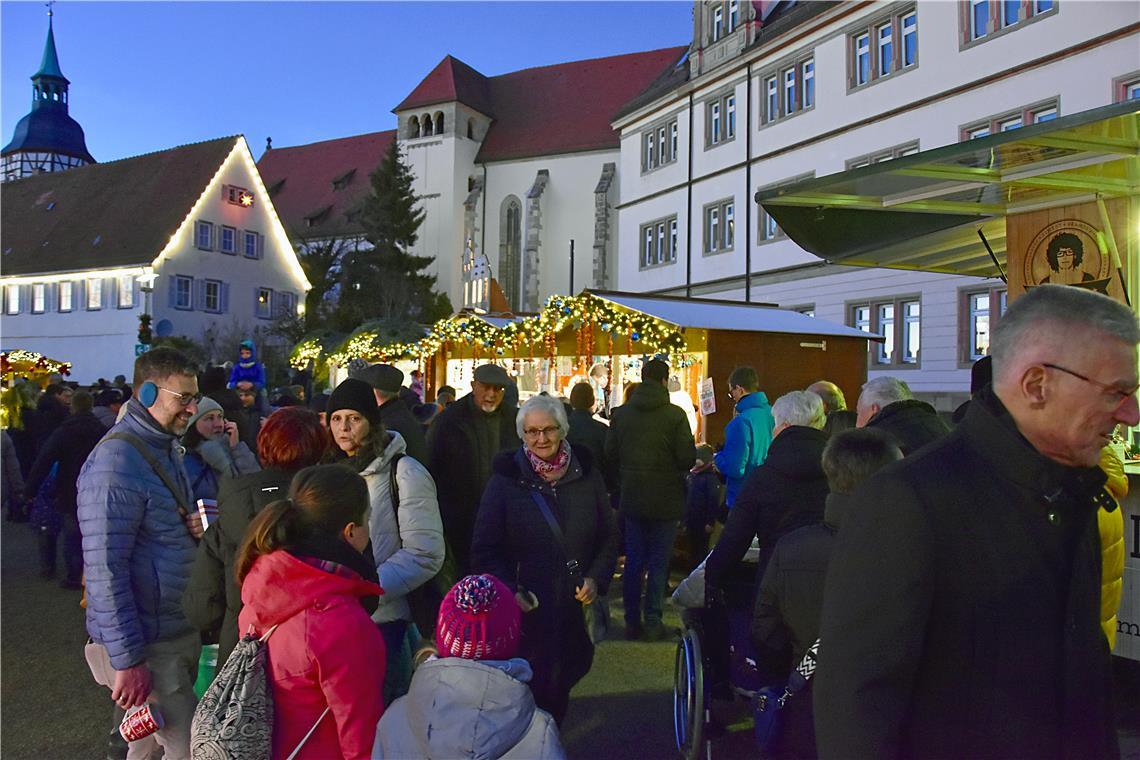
[
  {"x": 291, "y": 439},
  {"x": 555, "y": 572}
]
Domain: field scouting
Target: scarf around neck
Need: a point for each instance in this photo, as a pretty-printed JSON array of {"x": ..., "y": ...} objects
[{"x": 554, "y": 469}]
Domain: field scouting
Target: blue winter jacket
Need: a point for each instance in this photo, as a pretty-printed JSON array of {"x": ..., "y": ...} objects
[
  {"x": 137, "y": 551},
  {"x": 252, "y": 370},
  {"x": 746, "y": 442}
]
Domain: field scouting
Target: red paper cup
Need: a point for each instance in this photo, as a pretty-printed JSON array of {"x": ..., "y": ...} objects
[{"x": 140, "y": 722}]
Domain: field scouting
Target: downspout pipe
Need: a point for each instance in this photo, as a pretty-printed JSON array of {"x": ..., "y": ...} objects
[
  {"x": 748, "y": 188},
  {"x": 689, "y": 211}
]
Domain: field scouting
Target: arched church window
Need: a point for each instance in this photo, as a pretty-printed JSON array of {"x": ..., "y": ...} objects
[
  {"x": 470, "y": 129},
  {"x": 510, "y": 250},
  {"x": 427, "y": 125},
  {"x": 414, "y": 127},
  {"x": 439, "y": 122}
]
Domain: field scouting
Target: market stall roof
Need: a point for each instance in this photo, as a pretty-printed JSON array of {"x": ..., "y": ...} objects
[
  {"x": 708, "y": 314},
  {"x": 923, "y": 211}
]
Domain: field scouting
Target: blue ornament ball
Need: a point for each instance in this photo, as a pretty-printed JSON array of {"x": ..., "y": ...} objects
[{"x": 636, "y": 336}]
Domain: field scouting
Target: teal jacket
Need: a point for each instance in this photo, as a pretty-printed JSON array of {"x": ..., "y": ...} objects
[{"x": 746, "y": 442}]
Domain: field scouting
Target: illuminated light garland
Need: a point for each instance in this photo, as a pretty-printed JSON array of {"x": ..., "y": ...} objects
[
  {"x": 22, "y": 362},
  {"x": 648, "y": 334}
]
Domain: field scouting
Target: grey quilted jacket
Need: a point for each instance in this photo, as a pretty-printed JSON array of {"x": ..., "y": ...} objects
[
  {"x": 460, "y": 708},
  {"x": 137, "y": 551}
]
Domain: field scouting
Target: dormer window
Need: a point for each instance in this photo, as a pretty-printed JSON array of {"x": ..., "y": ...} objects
[
  {"x": 343, "y": 181},
  {"x": 316, "y": 217}
]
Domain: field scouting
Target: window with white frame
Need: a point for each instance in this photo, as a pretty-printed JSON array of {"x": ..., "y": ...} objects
[
  {"x": 1034, "y": 114},
  {"x": 286, "y": 304},
  {"x": 228, "y": 241},
  {"x": 126, "y": 291},
  {"x": 978, "y": 313},
  {"x": 1126, "y": 88},
  {"x": 66, "y": 295},
  {"x": 768, "y": 229},
  {"x": 720, "y": 120},
  {"x": 720, "y": 226},
  {"x": 808, "y": 310},
  {"x": 717, "y": 22},
  {"x": 659, "y": 146},
  {"x": 182, "y": 292},
  {"x": 212, "y": 296},
  {"x": 658, "y": 242},
  {"x": 733, "y": 15},
  {"x": 263, "y": 308},
  {"x": 981, "y": 19},
  {"x": 898, "y": 321},
  {"x": 251, "y": 246},
  {"x": 39, "y": 298},
  {"x": 12, "y": 299},
  {"x": 886, "y": 154},
  {"x": 95, "y": 293},
  {"x": 789, "y": 89},
  {"x": 204, "y": 236},
  {"x": 887, "y": 45}
]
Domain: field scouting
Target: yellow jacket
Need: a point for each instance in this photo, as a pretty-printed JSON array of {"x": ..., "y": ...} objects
[{"x": 1111, "y": 526}]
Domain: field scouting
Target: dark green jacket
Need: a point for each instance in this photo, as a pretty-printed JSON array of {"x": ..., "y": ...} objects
[{"x": 650, "y": 448}]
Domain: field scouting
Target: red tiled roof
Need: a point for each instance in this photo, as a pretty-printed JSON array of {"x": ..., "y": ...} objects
[
  {"x": 451, "y": 80},
  {"x": 114, "y": 214},
  {"x": 567, "y": 107},
  {"x": 306, "y": 174}
]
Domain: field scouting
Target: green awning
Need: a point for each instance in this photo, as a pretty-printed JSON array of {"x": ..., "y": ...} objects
[{"x": 923, "y": 211}]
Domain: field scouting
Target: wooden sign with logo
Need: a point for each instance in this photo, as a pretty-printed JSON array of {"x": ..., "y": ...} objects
[{"x": 1067, "y": 246}]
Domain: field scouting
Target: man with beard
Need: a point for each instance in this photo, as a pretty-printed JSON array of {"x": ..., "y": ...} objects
[
  {"x": 139, "y": 539},
  {"x": 461, "y": 442}
]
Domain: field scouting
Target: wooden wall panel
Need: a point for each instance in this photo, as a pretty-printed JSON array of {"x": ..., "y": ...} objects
[{"x": 783, "y": 365}]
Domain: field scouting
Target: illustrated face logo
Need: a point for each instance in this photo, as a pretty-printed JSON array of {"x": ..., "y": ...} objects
[{"x": 1067, "y": 253}]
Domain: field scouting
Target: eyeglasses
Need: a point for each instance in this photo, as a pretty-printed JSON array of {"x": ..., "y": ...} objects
[
  {"x": 1121, "y": 395},
  {"x": 547, "y": 432},
  {"x": 184, "y": 399}
]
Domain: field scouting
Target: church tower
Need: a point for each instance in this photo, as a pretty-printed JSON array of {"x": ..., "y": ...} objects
[{"x": 47, "y": 139}]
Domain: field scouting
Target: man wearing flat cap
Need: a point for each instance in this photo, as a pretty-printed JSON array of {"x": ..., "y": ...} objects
[
  {"x": 462, "y": 441},
  {"x": 386, "y": 382}
]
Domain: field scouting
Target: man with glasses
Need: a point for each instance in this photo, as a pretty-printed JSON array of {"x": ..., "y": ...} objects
[
  {"x": 962, "y": 611},
  {"x": 749, "y": 434},
  {"x": 139, "y": 539},
  {"x": 462, "y": 442}
]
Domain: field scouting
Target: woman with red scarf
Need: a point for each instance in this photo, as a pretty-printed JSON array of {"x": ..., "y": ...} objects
[{"x": 546, "y": 529}]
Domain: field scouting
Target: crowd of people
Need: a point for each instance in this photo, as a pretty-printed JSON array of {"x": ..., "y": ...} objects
[{"x": 429, "y": 579}]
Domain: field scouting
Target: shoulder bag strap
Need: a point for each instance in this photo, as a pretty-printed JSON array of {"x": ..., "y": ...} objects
[
  {"x": 141, "y": 448},
  {"x": 805, "y": 670},
  {"x": 305, "y": 738},
  {"x": 555, "y": 528},
  {"x": 394, "y": 489}
]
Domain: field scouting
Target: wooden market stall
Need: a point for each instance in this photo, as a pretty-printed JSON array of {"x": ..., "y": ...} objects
[{"x": 703, "y": 340}]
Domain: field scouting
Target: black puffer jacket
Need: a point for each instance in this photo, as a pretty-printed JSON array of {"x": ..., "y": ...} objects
[
  {"x": 650, "y": 448},
  {"x": 589, "y": 434},
  {"x": 212, "y": 599},
  {"x": 913, "y": 424},
  {"x": 787, "y": 492},
  {"x": 69, "y": 445}
]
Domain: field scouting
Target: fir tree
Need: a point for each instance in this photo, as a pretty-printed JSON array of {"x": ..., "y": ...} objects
[{"x": 388, "y": 281}]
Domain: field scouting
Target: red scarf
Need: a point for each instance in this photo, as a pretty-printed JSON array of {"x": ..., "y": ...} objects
[{"x": 553, "y": 470}]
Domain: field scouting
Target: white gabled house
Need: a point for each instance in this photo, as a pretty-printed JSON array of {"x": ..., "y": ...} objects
[{"x": 187, "y": 235}]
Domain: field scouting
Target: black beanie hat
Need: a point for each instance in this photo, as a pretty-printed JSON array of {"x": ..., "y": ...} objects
[{"x": 356, "y": 395}]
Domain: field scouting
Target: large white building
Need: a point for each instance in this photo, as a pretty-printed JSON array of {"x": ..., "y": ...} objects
[
  {"x": 777, "y": 92},
  {"x": 186, "y": 235}
]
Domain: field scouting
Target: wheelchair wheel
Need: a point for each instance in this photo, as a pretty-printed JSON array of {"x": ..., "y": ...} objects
[{"x": 689, "y": 696}]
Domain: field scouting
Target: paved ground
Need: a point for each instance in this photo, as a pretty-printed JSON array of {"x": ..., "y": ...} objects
[{"x": 51, "y": 709}]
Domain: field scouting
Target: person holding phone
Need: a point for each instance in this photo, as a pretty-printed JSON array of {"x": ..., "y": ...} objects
[{"x": 213, "y": 451}]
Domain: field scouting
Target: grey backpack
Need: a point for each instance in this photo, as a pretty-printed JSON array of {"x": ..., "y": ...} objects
[{"x": 234, "y": 719}]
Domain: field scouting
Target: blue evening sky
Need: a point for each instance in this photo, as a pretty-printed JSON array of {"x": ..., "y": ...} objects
[{"x": 148, "y": 76}]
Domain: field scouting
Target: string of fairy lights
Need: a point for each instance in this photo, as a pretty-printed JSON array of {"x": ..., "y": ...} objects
[
  {"x": 21, "y": 362},
  {"x": 592, "y": 318}
]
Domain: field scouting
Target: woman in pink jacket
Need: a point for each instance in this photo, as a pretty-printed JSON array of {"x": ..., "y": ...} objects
[{"x": 302, "y": 569}]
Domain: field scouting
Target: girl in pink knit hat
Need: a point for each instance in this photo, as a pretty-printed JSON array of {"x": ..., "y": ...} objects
[{"x": 470, "y": 697}]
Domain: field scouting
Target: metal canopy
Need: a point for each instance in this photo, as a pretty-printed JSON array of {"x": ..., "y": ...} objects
[{"x": 923, "y": 211}]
